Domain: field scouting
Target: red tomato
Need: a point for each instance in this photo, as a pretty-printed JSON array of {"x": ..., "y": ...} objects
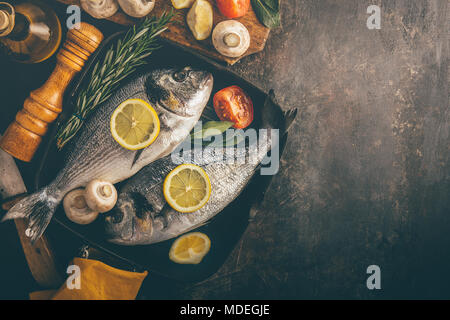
[
  {"x": 233, "y": 8},
  {"x": 233, "y": 104}
]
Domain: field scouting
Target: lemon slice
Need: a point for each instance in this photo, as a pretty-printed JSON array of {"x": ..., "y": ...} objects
[
  {"x": 181, "y": 4},
  {"x": 134, "y": 124},
  {"x": 190, "y": 248},
  {"x": 187, "y": 188},
  {"x": 200, "y": 19}
]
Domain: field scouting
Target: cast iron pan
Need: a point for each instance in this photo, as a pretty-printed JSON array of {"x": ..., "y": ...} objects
[{"x": 224, "y": 230}]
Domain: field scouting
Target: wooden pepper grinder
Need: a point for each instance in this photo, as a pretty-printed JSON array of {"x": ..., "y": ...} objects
[{"x": 23, "y": 136}]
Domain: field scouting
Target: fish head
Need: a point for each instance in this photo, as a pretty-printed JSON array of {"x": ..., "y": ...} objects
[
  {"x": 131, "y": 221},
  {"x": 119, "y": 222},
  {"x": 183, "y": 92}
]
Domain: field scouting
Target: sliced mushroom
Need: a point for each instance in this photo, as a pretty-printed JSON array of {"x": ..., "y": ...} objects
[
  {"x": 137, "y": 8},
  {"x": 231, "y": 38},
  {"x": 100, "y": 195},
  {"x": 77, "y": 209},
  {"x": 100, "y": 9}
]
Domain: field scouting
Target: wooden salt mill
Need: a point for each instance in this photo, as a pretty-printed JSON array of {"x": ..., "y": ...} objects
[{"x": 23, "y": 136}]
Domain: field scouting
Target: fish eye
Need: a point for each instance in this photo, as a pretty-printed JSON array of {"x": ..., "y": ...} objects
[{"x": 180, "y": 76}]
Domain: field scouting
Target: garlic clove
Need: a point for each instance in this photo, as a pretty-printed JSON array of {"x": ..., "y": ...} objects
[{"x": 200, "y": 19}]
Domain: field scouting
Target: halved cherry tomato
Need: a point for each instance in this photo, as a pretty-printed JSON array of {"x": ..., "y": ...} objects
[
  {"x": 233, "y": 104},
  {"x": 233, "y": 8}
]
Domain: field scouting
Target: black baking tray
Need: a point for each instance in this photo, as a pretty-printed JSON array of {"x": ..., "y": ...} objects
[{"x": 224, "y": 230}]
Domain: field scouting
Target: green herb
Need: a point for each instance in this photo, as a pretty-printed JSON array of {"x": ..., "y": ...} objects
[
  {"x": 211, "y": 128},
  {"x": 268, "y": 12},
  {"x": 121, "y": 60},
  {"x": 235, "y": 139},
  {"x": 216, "y": 129}
]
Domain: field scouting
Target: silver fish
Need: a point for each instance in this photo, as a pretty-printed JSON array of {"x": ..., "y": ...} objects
[
  {"x": 142, "y": 216},
  {"x": 178, "y": 96}
]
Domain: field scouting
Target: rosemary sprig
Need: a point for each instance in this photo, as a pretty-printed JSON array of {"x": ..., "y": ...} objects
[{"x": 121, "y": 60}]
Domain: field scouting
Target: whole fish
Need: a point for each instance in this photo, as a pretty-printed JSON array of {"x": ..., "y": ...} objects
[
  {"x": 178, "y": 97},
  {"x": 142, "y": 216}
]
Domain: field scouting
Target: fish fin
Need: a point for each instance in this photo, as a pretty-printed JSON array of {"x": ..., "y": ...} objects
[
  {"x": 164, "y": 214},
  {"x": 38, "y": 208},
  {"x": 137, "y": 155},
  {"x": 289, "y": 117},
  {"x": 271, "y": 95},
  {"x": 197, "y": 226},
  {"x": 274, "y": 117}
]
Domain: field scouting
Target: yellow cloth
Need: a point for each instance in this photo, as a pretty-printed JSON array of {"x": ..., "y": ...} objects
[{"x": 98, "y": 282}]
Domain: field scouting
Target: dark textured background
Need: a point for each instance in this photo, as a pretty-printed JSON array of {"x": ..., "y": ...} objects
[{"x": 365, "y": 176}]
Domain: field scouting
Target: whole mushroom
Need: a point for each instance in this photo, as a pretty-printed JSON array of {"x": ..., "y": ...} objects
[
  {"x": 100, "y": 195},
  {"x": 100, "y": 9},
  {"x": 137, "y": 8},
  {"x": 231, "y": 38},
  {"x": 76, "y": 208}
]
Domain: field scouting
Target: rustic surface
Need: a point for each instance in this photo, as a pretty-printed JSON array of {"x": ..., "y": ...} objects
[
  {"x": 179, "y": 32},
  {"x": 365, "y": 176},
  {"x": 40, "y": 256}
]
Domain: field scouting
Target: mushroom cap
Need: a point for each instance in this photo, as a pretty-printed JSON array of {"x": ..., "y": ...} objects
[
  {"x": 100, "y": 9},
  {"x": 100, "y": 195},
  {"x": 6, "y": 18},
  {"x": 137, "y": 8},
  {"x": 231, "y": 38},
  {"x": 76, "y": 208}
]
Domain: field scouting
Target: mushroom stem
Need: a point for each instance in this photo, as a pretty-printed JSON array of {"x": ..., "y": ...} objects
[
  {"x": 232, "y": 40},
  {"x": 79, "y": 202},
  {"x": 105, "y": 191}
]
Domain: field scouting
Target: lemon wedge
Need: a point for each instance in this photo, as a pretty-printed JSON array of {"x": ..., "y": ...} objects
[
  {"x": 134, "y": 124},
  {"x": 181, "y": 4},
  {"x": 190, "y": 248},
  {"x": 187, "y": 188},
  {"x": 200, "y": 19}
]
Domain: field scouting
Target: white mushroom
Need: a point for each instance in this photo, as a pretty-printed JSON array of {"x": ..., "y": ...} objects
[
  {"x": 231, "y": 38},
  {"x": 100, "y": 9},
  {"x": 137, "y": 8},
  {"x": 76, "y": 208},
  {"x": 100, "y": 195}
]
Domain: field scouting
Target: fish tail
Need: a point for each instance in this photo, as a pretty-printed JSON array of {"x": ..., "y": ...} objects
[
  {"x": 38, "y": 208},
  {"x": 274, "y": 117},
  {"x": 289, "y": 117}
]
